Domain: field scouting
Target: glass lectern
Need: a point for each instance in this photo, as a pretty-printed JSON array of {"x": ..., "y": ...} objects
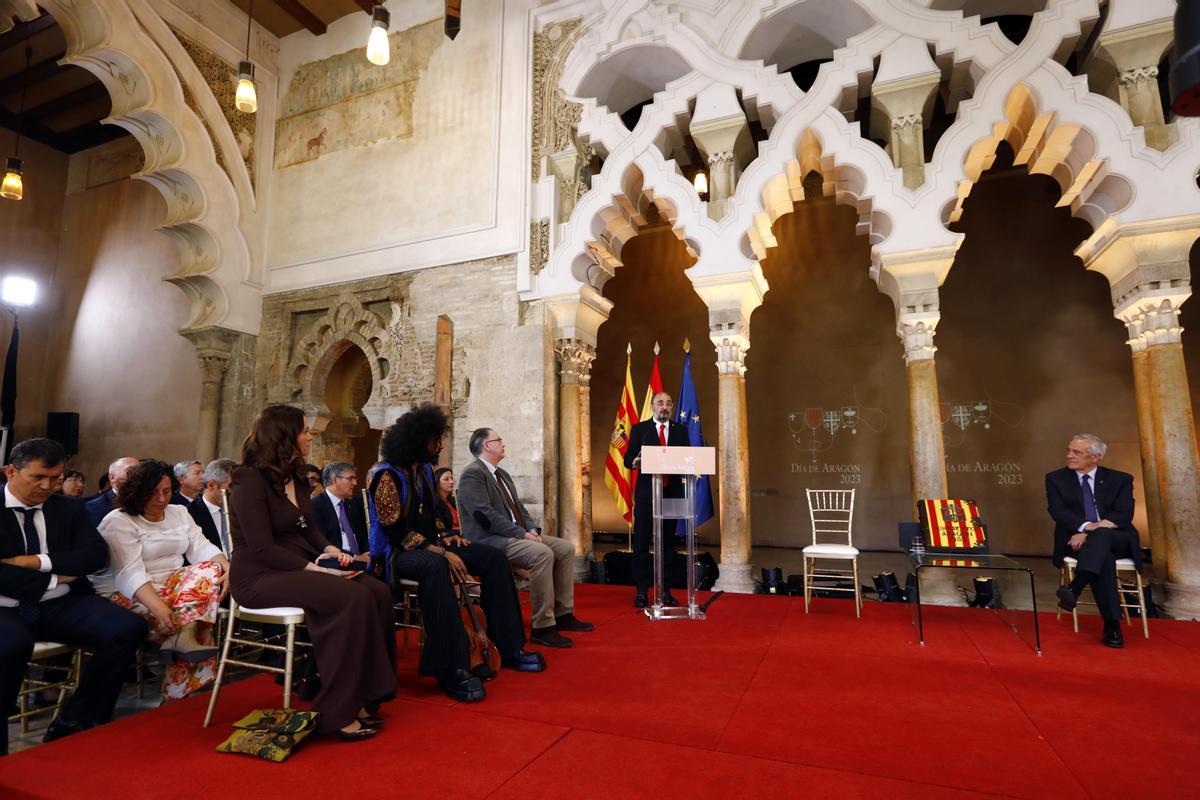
[{"x": 687, "y": 462}]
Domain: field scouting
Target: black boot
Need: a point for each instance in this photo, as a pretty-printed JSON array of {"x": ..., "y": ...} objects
[{"x": 1112, "y": 634}]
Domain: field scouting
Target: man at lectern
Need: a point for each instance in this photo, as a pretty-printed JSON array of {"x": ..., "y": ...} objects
[{"x": 659, "y": 430}]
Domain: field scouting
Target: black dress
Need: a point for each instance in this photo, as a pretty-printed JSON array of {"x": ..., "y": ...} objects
[{"x": 349, "y": 620}]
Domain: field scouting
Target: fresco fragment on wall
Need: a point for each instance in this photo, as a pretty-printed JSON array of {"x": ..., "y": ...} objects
[{"x": 345, "y": 101}]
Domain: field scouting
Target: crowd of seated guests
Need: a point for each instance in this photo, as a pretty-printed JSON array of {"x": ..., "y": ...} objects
[{"x": 151, "y": 556}]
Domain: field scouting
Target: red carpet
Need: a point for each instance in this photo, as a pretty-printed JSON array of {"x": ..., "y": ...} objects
[{"x": 759, "y": 700}]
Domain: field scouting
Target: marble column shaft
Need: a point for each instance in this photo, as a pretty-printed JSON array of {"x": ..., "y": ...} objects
[
  {"x": 733, "y": 466},
  {"x": 1143, "y": 393},
  {"x": 926, "y": 449},
  {"x": 575, "y": 363},
  {"x": 210, "y": 405}
]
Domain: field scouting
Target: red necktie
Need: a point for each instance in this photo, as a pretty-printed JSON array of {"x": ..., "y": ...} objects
[{"x": 662, "y": 433}]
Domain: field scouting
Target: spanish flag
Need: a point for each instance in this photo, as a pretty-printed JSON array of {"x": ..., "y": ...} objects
[{"x": 616, "y": 477}]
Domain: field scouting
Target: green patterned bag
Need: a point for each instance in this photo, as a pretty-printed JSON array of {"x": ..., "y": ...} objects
[{"x": 271, "y": 734}]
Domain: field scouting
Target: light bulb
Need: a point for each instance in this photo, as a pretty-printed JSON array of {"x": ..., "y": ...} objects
[
  {"x": 12, "y": 188},
  {"x": 246, "y": 99},
  {"x": 379, "y": 49},
  {"x": 701, "y": 183}
]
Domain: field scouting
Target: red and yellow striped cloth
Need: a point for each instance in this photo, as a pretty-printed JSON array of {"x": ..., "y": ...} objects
[{"x": 952, "y": 525}]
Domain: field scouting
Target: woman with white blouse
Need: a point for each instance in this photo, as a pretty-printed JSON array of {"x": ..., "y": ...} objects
[{"x": 148, "y": 539}]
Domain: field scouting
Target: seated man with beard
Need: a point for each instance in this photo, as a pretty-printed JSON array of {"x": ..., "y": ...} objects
[{"x": 404, "y": 527}]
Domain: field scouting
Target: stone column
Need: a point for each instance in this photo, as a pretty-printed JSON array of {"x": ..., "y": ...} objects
[
  {"x": 1176, "y": 460},
  {"x": 575, "y": 366},
  {"x": 926, "y": 451},
  {"x": 214, "y": 347},
  {"x": 733, "y": 465},
  {"x": 1146, "y": 264},
  {"x": 731, "y": 299},
  {"x": 1144, "y": 394},
  {"x": 1134, "y": 53},
  {"x": 901, "y": 100}
]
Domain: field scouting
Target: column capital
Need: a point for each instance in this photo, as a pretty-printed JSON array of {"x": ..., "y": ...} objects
[
  {"x": 732, "y": 342},
  {"x": 575, "y": 359},
  {"x": 214, "y": 348},
  {"x": 917, "y": 336},
  {"x": 1152, "y": 318}
]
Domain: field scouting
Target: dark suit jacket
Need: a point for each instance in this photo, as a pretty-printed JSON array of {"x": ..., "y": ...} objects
[
  {"x": 99, "y": 506},
  {"x": 331, "y": 527},
  {"x": 204, "y": 519},
  {"x": 1114, "y": 502},
  {"x": 645, "y": 433},
  {"x": 74, "y": 547},
  {"x": 180, "y": 499},
  {"x": 477, "y": 491}
]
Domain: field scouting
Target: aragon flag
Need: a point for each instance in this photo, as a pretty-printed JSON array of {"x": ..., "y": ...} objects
[
  {"x": 616, "y": 477},
  {"x": 687, "y": 413}
]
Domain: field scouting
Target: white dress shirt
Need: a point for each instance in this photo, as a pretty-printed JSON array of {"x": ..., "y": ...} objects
[
  {"x": 54, "y": 589},
  {"x": 141, "y": 551}
]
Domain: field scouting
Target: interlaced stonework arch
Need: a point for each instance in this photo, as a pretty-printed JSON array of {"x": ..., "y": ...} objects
[{"x": 135, "y": 55}]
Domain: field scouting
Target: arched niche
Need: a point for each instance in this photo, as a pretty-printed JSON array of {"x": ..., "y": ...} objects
[{"x": 348, "y": 385}]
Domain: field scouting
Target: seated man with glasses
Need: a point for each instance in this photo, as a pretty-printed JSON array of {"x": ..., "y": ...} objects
[{"x": 492, "y": 516}]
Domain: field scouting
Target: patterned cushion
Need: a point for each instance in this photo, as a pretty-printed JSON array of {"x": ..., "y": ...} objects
[{"x": 271, "y": 734}]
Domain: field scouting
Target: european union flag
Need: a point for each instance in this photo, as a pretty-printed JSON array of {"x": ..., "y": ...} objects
[{"x": 688, "y": 413}]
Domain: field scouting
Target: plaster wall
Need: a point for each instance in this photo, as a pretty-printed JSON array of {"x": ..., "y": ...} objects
[
  {"x": 417, "y": 163},
  {"x": 29, "y": 246},
  {"x": 116, "y": 356}
]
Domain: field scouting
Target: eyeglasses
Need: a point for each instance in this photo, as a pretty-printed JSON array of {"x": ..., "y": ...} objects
[
  {"x": 314, "y": 480},
  {"x": 489, "y": 441}
]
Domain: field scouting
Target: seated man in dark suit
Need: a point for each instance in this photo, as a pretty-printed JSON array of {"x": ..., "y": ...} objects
[
  {"x": 47, "y": 548},
  {"x": 99, "y": 506},
  {"x": 1092, "y": 508},
  {"x": 207, "y": 509},
  {"x": 339, "y": 510},
  {"x": 190, "y": 475}
]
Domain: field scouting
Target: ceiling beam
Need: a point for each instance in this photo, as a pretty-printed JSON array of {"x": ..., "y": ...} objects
[
  {"x": 366, "y": 5},
  {"x": 93, "y": 91},
  {"x": 35, "y": 74},
  {"x": 30, "y": 130},
  {"x": 25, "y": 30},
  {"x": 296, "y": 10}
]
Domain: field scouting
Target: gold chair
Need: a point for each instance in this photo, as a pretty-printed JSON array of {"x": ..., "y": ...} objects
[
  {"x": 65, "y": 682},
  {"x": 831, "y": 512},
  {"x": 1124, "y": 565}
]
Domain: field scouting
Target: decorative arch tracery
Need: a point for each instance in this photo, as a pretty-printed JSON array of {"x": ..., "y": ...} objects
[{"x": 116, "y": 42}]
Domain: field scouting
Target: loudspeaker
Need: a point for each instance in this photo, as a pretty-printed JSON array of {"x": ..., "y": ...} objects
[
  {"x": 1185, "y": 67},
  {"x": 618, "y": 568},
  {"x": 63, "y": 427}
]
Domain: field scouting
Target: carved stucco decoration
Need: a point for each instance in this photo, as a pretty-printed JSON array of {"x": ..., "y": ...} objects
[
  {"x": 555, "y": 119},
  {"x": 221, "y": 77},
  {"x": 539, "y": 245}
]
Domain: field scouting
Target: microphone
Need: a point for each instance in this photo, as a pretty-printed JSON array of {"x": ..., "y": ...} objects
[
  {"x": 482, "y": 519},
  {"x": 704, "y": 606}
]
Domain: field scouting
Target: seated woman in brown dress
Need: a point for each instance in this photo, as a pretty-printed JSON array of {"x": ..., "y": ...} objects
[{"x": 276, "y": 547}]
